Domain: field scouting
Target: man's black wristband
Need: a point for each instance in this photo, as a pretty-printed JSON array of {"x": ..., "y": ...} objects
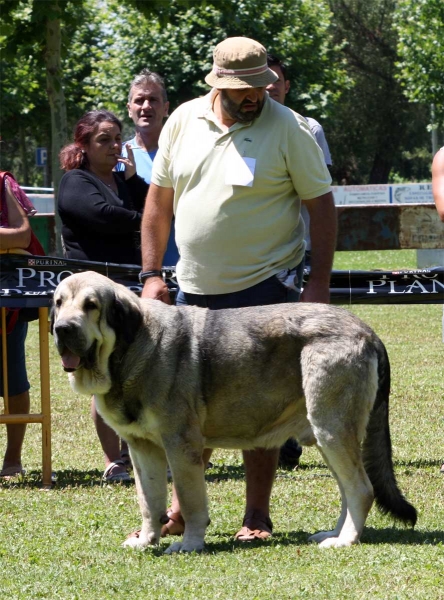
[{"x": 143, "y": 275}]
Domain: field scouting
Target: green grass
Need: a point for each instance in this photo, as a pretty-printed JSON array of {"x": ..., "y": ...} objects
[{"x": 65, "y": 543}]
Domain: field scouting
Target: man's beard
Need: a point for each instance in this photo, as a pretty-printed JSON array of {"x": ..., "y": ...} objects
[{"x": 234, "y": 111}]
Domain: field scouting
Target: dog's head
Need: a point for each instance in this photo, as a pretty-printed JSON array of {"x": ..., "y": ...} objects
[{"x": 90, "y": 317}]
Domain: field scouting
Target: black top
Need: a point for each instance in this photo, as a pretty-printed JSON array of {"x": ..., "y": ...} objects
[{"x": 97, "y": 223}]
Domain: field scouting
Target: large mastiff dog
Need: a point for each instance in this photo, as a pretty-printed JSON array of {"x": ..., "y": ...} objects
[{"x": 173, "y": 381}]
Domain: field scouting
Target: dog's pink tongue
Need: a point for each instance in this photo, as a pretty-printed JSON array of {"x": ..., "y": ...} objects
[{"x": 70, "y": 360}]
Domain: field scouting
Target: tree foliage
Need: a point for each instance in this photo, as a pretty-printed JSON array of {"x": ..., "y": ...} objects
[
  {"x": 375, "y": 131},
  {"x": 178, "y": 43},
  {"x": 367, "y": 70},
  {"x": 25, "y": 117},
  {"x": 420, "y": 26}
]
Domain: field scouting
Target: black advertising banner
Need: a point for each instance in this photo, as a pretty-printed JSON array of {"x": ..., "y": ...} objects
[
  {"x": 30, "y": 281},
  {"x": 422, "y": 286}
]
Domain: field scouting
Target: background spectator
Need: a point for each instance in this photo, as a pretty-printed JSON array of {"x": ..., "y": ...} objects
[
  {"x": 101, "y": 213},
  {"x": 148, "y": 107},
  {"x": 15, "y": 236}
]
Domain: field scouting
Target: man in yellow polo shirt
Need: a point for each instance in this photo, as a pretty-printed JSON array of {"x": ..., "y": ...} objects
[{"x": 234, "y": 167}]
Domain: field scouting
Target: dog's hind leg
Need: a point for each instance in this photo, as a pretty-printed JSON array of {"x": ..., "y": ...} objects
[
  {"x": 188, "y": 472},
  {"x": 322, "y": 535},
  {"x": 150, "y": 473},
  {"x": 340, "y": 383},
  {"x": 356, "y": 494}
]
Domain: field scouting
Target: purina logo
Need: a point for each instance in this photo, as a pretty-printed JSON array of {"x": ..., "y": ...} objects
[{"x": 46, "y": 262}]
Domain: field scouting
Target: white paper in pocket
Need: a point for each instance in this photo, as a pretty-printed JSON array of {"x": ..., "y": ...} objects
[{"x": 240, "y": 170}]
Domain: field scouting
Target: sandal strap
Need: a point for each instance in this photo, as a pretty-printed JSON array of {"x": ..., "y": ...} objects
[
  {"x": 176, "y": 517},
  {"x": 110, "y": 467}
]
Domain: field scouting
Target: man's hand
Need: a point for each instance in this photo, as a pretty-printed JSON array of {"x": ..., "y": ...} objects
[
  {"x": 314, "y": 292},
  {"x": 156, "y": 289},
  {"x": 129, "y": 162}
]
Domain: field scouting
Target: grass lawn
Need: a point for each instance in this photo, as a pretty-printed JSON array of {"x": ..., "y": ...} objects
[{"x": 66, "y": 543}]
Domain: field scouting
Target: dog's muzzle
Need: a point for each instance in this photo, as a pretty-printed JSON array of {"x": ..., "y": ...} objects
[{"x": 72, "y": 346}]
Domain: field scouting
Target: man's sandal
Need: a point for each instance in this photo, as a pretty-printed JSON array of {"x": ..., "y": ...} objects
[
  {"x": 12, "y": 472},
  {"x": 117, "y": 476},
  {"x": 175, "y": 525},
  {"x": 256, "y": 526},
  {"x": 442, "y": 468},
  {"x": 125, "y": 457}
]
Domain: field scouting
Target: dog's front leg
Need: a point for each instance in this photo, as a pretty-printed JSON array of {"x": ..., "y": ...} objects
[
  {"x": 189, "y": 480},
  {"x": 150, "y": 473}
]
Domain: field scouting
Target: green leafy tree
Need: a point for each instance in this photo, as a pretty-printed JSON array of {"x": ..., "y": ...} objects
[
  {"x": 420, "y": 27},
  {"x": 24, "y": 103},
  {"x": 40, "y": 33},
  {"x": 178, "y": 40},
  {"x": 47, "y": 50},
  {"x": 375, "y": 130}
]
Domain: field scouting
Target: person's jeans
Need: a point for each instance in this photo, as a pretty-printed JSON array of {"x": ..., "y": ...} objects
[{"x": 278, "y": 289}]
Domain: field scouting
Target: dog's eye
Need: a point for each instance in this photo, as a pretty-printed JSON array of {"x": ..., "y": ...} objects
[
  {"x": 58, "y": 302},
  {"x": 90, "y": 305}
]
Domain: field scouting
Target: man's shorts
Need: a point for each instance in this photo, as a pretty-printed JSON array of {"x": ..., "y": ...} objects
[
  {"x": 17, "y": 376},
  {"x": 277, "y": 289}
]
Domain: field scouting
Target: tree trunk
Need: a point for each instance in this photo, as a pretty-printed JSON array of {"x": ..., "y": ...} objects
[
  {"x": 25, "y": 171},
  {"x": 56, "y": 96},
  {"x": 380, "y": 170}
]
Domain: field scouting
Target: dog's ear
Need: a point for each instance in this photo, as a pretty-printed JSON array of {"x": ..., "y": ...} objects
[{"x": 125, "y": 318}]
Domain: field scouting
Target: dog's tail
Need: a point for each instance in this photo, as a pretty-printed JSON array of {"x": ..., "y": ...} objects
[{"x": 377, "y": 450}]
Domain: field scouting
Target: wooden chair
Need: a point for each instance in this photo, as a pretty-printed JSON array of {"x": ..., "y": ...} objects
[{"x": 44, "y": 417}]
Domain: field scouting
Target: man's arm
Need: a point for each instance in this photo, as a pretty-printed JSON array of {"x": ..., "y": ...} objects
[
  {"x": 438, "y": 182},
  {"x": 155, "y": 230},
  {"x": 323, "y": 225}
]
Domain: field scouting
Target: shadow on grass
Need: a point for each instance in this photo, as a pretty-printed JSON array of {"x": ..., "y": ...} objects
[
  {"x": 77, "y": 478},
  {"x": 317, "y": 469},
  {"x": 371, "y": 536},
  {"x": 402, "y": 536},
  {"x": 62, "y": 479},
  {"x": 224, "y": 542},
  {"x": 418, "y": 464}
]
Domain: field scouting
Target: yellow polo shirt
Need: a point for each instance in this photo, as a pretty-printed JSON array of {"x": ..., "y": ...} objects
[{"x": 238, "y": 193}]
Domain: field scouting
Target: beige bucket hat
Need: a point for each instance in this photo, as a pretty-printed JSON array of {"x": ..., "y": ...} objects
[{"x": 240, "y": 62}]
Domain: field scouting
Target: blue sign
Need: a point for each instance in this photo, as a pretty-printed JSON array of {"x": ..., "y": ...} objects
[{"x": 41, "y": 157}]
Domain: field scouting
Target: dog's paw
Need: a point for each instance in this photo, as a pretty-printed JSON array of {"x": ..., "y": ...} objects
[
  {"x": 319, "y": 537},
  {"x": 134, "y": 543},
  {"x": 184, "y": 547},
  {"x": 139, "y": 542},
  {"x": 174, "y": 548},
  {"x": 335, "y": 542}
]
